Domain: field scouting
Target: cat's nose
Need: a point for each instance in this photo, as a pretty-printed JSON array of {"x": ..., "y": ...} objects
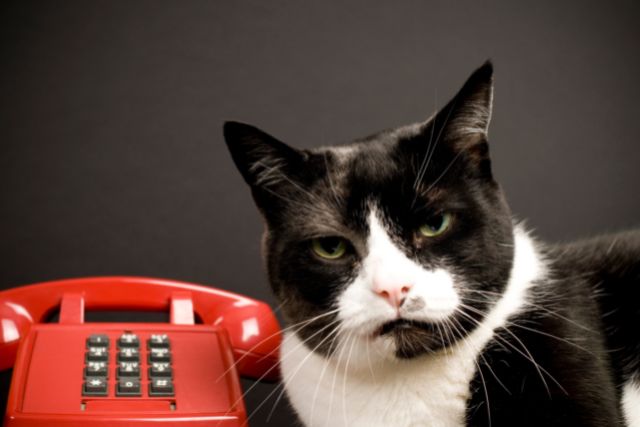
[{"x": 395, "y": 295}]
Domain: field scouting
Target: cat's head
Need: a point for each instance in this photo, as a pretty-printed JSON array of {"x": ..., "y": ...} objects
[{"x": 393, "y": 241}]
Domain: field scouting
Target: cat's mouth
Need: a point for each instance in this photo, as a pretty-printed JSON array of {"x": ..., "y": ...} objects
[
  {"x": 401, "y": 325},
  {"x": 412, "y": 337}
]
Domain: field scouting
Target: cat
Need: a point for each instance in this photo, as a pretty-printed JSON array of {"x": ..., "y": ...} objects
[{"x": 412, "y": 296}]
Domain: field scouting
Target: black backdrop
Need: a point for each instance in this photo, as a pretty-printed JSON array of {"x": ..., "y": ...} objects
[{"x": 111, "y": 154}]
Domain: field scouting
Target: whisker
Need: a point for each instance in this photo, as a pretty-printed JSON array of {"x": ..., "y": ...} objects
[
  {"x": 424, "y": 160},
  {"x": 373, "y": 376},
  {"x": 335, "y": 373},
  {"x": 484, "y": 383},
  {"x": 322, "y": 373},
  {"x": 282, "y": 357},
  {"x": 435, "y": 145},
  {"x": 295, "y": 371},
  {"x": 295, "y": 325},
  {"x": 539, "y": 307},
  {"x": 344, "y": 382},
  {"x": 527, "y": 356},
  {"x": 485, "y": 362},
  {"x": 334, "y": 192}
]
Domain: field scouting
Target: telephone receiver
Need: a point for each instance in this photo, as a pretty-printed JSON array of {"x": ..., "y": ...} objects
[{"x": 246, "y": 326}]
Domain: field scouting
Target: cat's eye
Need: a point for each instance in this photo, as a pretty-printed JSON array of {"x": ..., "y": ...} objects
[
  {"x": 331, "y": 248},
  {"x": 436, "y": 225}
]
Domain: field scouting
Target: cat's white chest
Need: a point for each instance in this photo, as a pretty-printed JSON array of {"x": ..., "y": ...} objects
[{"x": 430, "y": 391}]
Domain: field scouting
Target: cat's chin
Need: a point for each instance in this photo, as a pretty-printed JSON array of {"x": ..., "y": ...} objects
[{"x": 412, "y": 338}]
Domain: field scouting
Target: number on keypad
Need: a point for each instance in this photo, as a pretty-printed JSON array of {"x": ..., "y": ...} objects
[
  {"x": 160, "y": 369},
  {"x": 158, "y": 341},
  {"x": 128, "y": 354},
  {"x": 96, "y": 369},
  {"x": 97, "y": 353},
  {"x": 128, "y": 340},
  {"x": 95, "y": 387},
  {"x": 129, "y": 369},
  {"x": 159, "y": 355},
  {"x": 128, "y": 387},
  {"x": 160, "y": 387},
  {"x": 98, "y": 340}
]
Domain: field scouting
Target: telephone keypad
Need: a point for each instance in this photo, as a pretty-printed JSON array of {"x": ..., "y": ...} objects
[{"x": 130, "y": 373}]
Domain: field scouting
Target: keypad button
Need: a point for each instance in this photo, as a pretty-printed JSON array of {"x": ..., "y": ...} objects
[
  {"x": 128, "y": 340},
  {"x": 158, "y": 341},
  {"x": 97, "y": 353},
  {"x": 95, "y": 369},
  {"x": 128, "y": 354},
  {"x": 95, "y": 387},
  {"x": 159, "y": 355},
  {"x": 161, "y": 387},
  {"x": 128, "y": 369},
  {"x": 160, "y": 369},
  {"x": 128, "y": 387},
  {"x": 98, "y": 340}
]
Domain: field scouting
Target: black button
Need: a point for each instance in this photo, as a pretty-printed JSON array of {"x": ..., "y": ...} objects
[
  {"x": 97, "y": 353},
  {"x": 95, "y": 387},
  {"x": 95, "y": 369},
  {"x": 128, "y": 354},
  {"x": 158, "y": 341},
  {"x": 98, "y": 340},
  {"x": 128, "y": 387},
  {"x": 159, "y": 355},
  {"x": 160, "y": 369},
  {"x": 128, "y": 369},
  {"x": 160, "y": 387},
  {"x": 128, "y": 340}
]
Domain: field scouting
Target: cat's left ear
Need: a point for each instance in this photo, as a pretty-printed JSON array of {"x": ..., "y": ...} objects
[
  {"x": 461, "y": 126},
  {"x": 468, "y": 114}
]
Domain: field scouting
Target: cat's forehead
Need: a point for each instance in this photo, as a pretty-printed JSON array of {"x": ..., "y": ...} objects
[
  {"x": 376, "y": 157},
  {"x": 356, "y": 178},
  {"x": 402, "y": 161},
  {"x": 372, "y": 146}
]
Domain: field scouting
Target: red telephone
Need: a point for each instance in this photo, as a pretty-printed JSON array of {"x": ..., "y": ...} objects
[{"x": 76, "y": 374}]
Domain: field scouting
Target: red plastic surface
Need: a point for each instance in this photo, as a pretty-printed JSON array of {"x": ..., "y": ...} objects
[{"x": 239, "y": 335}]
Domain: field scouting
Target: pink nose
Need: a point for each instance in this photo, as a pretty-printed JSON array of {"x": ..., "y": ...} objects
[{"x": 393, "y": 294}]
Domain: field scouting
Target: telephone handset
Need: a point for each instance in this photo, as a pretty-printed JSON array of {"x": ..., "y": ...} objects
[{"x": 73, "y": 373}]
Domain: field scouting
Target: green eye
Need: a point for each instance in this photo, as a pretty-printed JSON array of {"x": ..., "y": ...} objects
[
  {"x": 329, "y": 247},
  {"x": 436, "y": 225}
]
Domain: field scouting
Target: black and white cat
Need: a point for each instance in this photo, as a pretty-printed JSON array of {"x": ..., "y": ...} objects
[{"x": 412, "y": 297}]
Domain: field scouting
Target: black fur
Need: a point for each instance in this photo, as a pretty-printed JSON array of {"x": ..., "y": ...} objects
[{"x": 579, "y": 326}]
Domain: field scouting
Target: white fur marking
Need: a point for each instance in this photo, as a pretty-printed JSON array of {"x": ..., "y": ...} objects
[
  {"x": 432, "y": 296},
  {"x": 364, "y": 385},
  {"x": 631, "y": 403}
]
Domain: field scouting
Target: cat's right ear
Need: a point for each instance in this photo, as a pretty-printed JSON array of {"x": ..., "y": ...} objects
[{"x": 263, "y": 161}]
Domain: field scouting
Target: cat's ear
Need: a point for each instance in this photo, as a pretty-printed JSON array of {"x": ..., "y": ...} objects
[
  {"x": 263, "y": 161},
  {"x": 468, "y": 114},
  {"x": 462, "y": 125}
]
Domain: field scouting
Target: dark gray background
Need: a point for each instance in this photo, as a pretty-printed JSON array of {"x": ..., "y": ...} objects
[{"x": 111, "y": 154}]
